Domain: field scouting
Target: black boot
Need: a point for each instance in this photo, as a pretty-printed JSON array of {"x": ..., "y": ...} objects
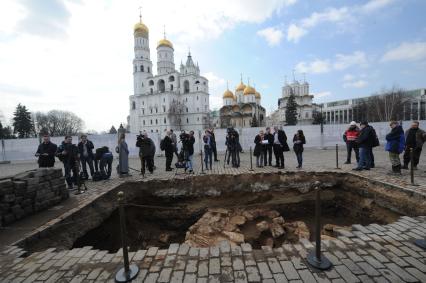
[{"x": 398, "y": 169}]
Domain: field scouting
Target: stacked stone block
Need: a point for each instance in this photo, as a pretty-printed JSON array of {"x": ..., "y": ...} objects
[{"x": 30, "y": 192}]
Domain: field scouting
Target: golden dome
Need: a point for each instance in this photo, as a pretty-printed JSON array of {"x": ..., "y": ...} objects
[
  {"x": 228, "y": 94},
  {"x": 165, "y": 42},
  {"x": 240, "y": 87},
  {"x": 141, "y": 29},
  {"x": 257, "y": 95},
  {"x": 249, "y": 90}
]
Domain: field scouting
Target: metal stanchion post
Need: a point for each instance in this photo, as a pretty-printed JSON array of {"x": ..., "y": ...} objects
[
  {"x": 251, "y": 160},
  {"x": 202, "y": 164},
  {"x": 337, "y": 156},
  {"x": 128, "y": 272},
  {"x": 412, "y": 167},
  {"x": 315, "y": 258}
]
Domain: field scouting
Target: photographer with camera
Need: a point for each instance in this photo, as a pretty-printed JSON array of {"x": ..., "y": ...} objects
[
  {"x": 214, "y": 148},
  {"x": 146, "y": 152},
  {"x": 68, "y": 153},
  {"x": 85, "y": 148},
  {"x": 169, "y": 148}
]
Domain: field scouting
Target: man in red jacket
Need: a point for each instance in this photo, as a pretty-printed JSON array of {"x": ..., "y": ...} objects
[{"x": 350, "y": 136}]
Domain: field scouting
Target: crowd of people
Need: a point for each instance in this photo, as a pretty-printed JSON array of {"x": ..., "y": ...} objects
[
  {"x": 364, "y": 138},
  {"x": 76, "y": 159},
  {"x": 80, "y": 160}
]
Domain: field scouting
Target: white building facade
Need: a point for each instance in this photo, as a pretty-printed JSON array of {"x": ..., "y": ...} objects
[
  {"x": 171, "y": 99},
  {"x": 345, "y": 111},
  {"x": 303, "y": 99}
]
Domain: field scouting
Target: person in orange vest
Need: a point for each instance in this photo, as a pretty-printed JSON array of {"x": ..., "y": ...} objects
[{"x": 349, "y": 137}]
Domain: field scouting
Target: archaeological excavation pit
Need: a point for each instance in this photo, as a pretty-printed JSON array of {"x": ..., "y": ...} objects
[{"x": 268, "y": 209}]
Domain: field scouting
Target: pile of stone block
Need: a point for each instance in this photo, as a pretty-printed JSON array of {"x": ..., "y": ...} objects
[{"x": 30, "y": 192}]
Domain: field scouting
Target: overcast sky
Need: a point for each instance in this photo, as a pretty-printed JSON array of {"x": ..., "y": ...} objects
[{"x": 77, "y": 54}]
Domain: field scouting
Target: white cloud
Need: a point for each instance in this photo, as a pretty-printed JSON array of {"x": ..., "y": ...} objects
[
  {"x": 329, "y": 15},
  {"x": 374, "y": 5},
  {"x": 216, "y": 87},
  {"x": 342, "y": 15},
  {"x": 340, "y": 62},
  {"x": 11, "y": 12},
  {"x": 406, "y": 51},
  {"x": 352, "y": 81},
  {"x": 355, "y": 84},
  {"x": 272, "y": 35},
  {"x": 345, "y": 61},
  {"x": 294, "y": 33},
  {"x": 322, "y": 94},
  {"x": 315, "y": 67},
  {"x": 348, "y": 77},
  {"x": 88, "y": 70}
]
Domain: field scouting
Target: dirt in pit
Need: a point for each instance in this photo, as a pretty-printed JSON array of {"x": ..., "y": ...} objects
[{"x": 269, "y": 219}]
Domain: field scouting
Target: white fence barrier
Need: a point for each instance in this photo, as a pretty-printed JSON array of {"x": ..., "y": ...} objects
[{"x": 24, "y": 149}]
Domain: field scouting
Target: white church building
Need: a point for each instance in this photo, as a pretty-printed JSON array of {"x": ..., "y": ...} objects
[
  {"x": 171, "y": 99},
  {"x": 305, "y": 107}
]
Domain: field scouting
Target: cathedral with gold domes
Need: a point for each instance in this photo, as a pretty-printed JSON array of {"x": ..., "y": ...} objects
[
  {"x": 171, "y": 99},
  {"x": 242, "y": 109}
]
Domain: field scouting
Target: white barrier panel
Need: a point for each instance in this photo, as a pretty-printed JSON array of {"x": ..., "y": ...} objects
[{"x": 24, "y": 149}]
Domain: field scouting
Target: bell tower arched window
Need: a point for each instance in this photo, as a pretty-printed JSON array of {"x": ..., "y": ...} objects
[
  {"x": 161, "y": 86},
  {"x": 186, "y": 87},
  {"x": 133, "y": 105},
  {"x": 142, "y": 69}
]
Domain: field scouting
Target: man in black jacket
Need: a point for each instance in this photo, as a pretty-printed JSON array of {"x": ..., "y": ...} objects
[
  {"x": 213, "y": 142},
  {"x": 365, "y": 142},
  {"x": 268, "y": 147},
  {"x": 85, "y": 149},
  {"x": 188, "y": 149},
  {"x": 146, "y": 152},
  {"x": 46, "y": 153},
  {"x": 280, "y": 145},
  {"x": 169, "y": 148},
  {"x": 68, "y": 153},
  {"x": 414, "y": 139}
]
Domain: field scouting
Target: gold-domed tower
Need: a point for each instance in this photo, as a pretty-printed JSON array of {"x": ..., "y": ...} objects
[
  {"x": 142, "y": 65},
  {"x": 165, "y": 56}
]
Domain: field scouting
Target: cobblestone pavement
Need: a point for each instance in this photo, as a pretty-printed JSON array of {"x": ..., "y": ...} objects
[
  {"x": 372, "y": 253},
  {"x": 367, "y": 254}
]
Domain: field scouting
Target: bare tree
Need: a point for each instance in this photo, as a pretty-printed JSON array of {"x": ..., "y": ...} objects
[
  {"x": 58, "y": 123},
  {"x": 175, "y": 114},
  {"x": 388, "y": 105}
]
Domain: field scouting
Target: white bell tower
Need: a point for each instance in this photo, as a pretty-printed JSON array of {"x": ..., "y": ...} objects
[{"x": 142, "y": 64}]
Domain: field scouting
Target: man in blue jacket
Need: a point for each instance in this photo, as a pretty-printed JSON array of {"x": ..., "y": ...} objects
[{"x": 395, "y": 146}]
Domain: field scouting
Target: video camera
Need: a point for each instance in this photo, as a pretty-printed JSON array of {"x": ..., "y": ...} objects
[
  {"x": 183, "y": 136},
  {"x": 140, "y": 137}
]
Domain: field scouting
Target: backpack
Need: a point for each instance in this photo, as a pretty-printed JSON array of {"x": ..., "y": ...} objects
[{"x": 162, "y": 145}]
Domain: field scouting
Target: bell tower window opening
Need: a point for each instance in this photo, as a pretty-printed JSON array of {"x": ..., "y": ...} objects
[
  {"x": 161, "y": 86},
  {"x": 133, "y": 105},
  {"x": 186, "y": 86},
  {"x": 142, "y": 69}
]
